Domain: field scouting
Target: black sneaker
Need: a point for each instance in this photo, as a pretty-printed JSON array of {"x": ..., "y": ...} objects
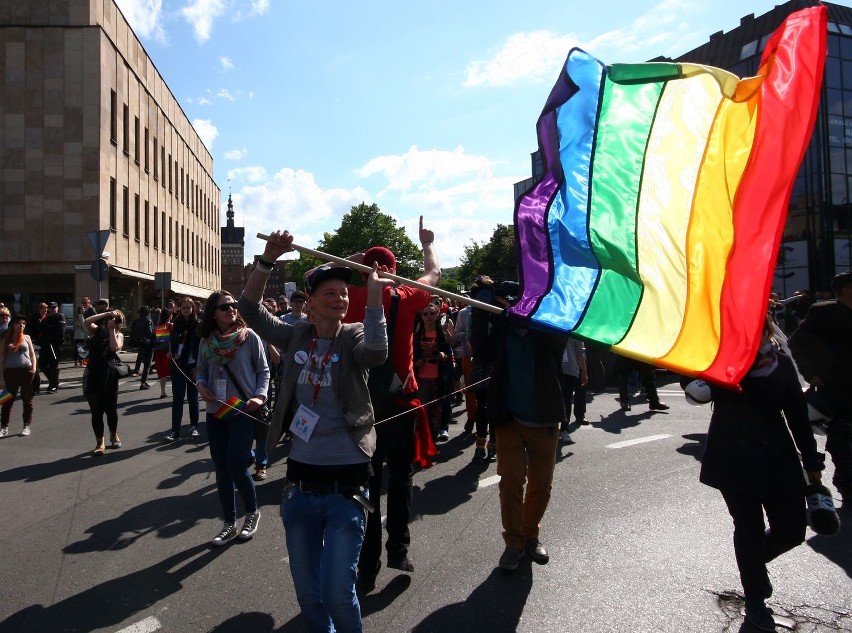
[
  {"x": 229, "y": 531},
  {"x": 403, "y": 564},
  {"x": 537, "y": 551},
  {"x": 658, "y": 406},
  {"x": 250, "y": 525},
  {"x": 510, "y": 559}
]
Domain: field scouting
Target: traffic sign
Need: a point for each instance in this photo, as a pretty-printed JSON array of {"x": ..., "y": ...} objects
[
  {"x": 100, "y": 269},
  {"x": 98, "y": 240}
]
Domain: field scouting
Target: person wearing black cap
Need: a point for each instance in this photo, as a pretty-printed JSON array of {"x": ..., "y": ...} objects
[
  {"x": 822, "y": 349},
  {"x": 18, "y": 365},
  {"x": 752, "y": 458},
  {"x": 325, "y": 403},
  {"x": 51, "y": 338}
]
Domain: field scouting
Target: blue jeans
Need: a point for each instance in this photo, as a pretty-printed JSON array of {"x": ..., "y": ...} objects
[
  {"x": 261, "y": 455},
  {"x": 181, "y": 387},
  {"x": 324, "y": 534},
  {"x": 230, "y": 448}
]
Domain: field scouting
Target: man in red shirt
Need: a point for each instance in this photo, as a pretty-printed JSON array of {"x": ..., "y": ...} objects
[{"x": 394, "y": 438}]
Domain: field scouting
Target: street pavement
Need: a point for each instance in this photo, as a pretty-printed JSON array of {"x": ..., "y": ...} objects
[{"x": 119, "y": 543}]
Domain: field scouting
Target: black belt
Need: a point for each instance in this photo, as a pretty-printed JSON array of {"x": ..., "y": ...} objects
[{"x": 328, "y": 487}]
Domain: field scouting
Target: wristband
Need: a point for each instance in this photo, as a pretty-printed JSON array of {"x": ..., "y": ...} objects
[
  {"x": 425, "y": 243},
  {"x": 269, "y": 265},
  {"x": 263, "y": 266}
]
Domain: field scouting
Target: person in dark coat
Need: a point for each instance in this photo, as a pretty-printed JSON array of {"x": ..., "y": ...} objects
[
  {"x": 822, "y": 348},
  {"x": 752, "y": 459}
]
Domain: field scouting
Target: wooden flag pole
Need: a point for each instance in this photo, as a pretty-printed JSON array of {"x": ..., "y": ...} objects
[{"x": 401, "y": 280}]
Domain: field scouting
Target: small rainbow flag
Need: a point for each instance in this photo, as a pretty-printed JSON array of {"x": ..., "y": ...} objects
[
  {"x": 230, "y": 408},
  {"x": 655, "y": 227},
  {"x": 5, "y": 396},
  {"x": 162, "y": 333}
]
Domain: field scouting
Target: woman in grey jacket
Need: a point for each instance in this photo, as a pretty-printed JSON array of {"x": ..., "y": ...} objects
[{"x": 325, "y": 404}]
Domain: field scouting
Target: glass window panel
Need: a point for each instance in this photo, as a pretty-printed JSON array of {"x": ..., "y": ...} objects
[
  {"x": 832, "y": 72},
  {"x": 748, "y": 49},
  {"x": 763, "y": 41},
  {"x": 835, "y": 102},
  {"x": 833, "y": 28},
  {"x": 846, "y": 48},
  {"x": 845, "y": 29},
  {"x": 838, "y": 189},
  {"x": 847, "y": 103},
  {"x": 833, "y": 46},
  {"x": 849, "y": 155},
  {"x": 847, "y": 73},
  {"x": 837, "y": 156}
]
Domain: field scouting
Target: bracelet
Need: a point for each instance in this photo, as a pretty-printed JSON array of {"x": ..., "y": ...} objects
[
  {"x": 425, "y": 243},
  {"x": 269, "y": 265},
  {"x": 263, "y": 266}
]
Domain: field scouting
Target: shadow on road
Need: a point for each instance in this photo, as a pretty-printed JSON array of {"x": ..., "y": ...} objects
[
  {"x": 694, "y": 446},
  {"x": 837, "y": 549},
  {"x": 619, "y": 420},
  {"x": 441, "y": 495},
  {"x": 120, "y": 598},
  {"x": 495, "y": 606}
]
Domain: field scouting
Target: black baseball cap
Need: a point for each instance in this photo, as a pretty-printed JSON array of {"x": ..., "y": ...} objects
[
  {"x": 324, "y": 273},
  {"x": 52, "y": 304},
  {"x": 841, "y": 281}
]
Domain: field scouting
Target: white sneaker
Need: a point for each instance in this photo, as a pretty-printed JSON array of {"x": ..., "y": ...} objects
[
  {"x": 4, "y": 431},
  {"x": 26, "y": 430},
  {"x": 193, "y": 432},
  {"x": 250, "y": 526}
]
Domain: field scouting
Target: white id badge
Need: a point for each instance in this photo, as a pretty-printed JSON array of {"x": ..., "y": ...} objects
[
  {"x": 220, "y": 386},
  {"x": 304, "y": 422}
]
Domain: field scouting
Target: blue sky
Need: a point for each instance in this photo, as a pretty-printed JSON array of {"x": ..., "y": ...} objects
[{"x": 312, "y": 106}]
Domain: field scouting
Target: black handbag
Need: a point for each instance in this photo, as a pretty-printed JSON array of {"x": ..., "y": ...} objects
[
  {"x": 261, "y": 418},
  {"x": 121, "y": 369}
]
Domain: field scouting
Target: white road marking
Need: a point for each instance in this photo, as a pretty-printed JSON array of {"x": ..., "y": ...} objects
[
  {"x": 488, "y": 481},
  {"x": 641, "y": 440},
  {"x": 148, "y": 625}
]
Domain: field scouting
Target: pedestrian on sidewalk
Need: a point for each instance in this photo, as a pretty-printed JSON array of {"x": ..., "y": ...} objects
[
  {"x": 18, "y": 365},
  {"x": 751, "y": 458},
  {"x": 101, "y": 384},
  {"x": 183, "y": 353}
]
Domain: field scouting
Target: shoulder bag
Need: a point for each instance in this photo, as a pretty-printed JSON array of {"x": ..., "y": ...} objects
[{"x": 262, "y": 417}]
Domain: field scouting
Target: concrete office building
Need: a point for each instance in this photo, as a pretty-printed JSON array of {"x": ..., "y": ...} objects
[
  {"x": 94, "y": 140},
  {"x": 817, "y": 240}
]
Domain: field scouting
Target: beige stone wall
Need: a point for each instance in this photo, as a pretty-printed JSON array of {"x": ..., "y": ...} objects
[{"x": 60, "y": 63}]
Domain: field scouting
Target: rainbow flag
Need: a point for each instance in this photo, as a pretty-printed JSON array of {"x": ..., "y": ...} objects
[
  {"x": 5, "y": 396},
  {"x": 655, "y": 227},
  {"x": 161, "y": 333},
  {"x": 230, "y": 408}
]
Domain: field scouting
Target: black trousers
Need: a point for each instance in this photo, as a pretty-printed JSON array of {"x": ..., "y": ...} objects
[
  {"x": 394, "y": 445},
  {"x": 838, "y": 444},
  {"x": 48, "y": 363},
  {"x": 574, "y": 397},
  {"x": 623, "y": 367},
  {"x": 754, "y": 546}
]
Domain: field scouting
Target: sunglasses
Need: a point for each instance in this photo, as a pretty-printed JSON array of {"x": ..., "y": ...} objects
[{"x": 227, "y": 306}]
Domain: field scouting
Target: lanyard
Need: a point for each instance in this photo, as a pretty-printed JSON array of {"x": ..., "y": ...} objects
[{"x": 325, "y": 360}]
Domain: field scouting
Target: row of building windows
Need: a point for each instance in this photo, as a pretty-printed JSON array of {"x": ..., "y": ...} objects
[
  {"x": 174, "y": 238},
  {"x": 179, "y": 182}
]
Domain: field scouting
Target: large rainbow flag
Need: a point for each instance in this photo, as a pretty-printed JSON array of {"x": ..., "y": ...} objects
[{"x": 655, "y": 227}]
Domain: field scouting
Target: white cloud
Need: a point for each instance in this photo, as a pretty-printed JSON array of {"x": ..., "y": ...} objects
[
  {"x": 293, "y": 200},
  {"x": 236, "y": 154},
  {"x": 226, "y": 62},
  {"x": 418, "y": 168},
  {"x": 201, "y": 14},
  {"x": 254, "y": 173},
  {"x": 259, "y": 7},
  {"x": 206, "y": 130},
  {"x": 203, "y": 101},
  {"x": 536, "y": 55},
  {"x": 144, "y": 17},
  {"x": 224, "y": 93},
  {"x": 524, "y": 56}
]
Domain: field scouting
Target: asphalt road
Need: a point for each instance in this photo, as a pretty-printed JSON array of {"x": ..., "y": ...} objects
[{"x": 120, "y": 543}]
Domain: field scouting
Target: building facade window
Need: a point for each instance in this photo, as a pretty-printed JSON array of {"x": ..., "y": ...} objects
[
  {"x": 113, "y": 212},
  {"x": 147, "y": 222},
  {"x": 113, "y": 117},
  {"x": 125, "y": 215},
  {"x": 126, "y": 131},
  {"x": 136, "y": 220}
]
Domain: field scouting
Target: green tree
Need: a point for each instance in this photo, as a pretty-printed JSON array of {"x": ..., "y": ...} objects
[
  {"x": 364, "y": 226},
  {"x": 497, "y": 258}
]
